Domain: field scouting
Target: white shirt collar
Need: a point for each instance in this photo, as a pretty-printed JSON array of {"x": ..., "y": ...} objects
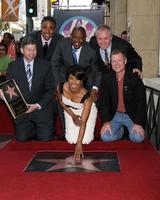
[
  {"x": 26, "y": 63},
  {"x": 77, "y": 52},
  {"x": 44, "y": 41},
  {"x": 102, "y": 52}
]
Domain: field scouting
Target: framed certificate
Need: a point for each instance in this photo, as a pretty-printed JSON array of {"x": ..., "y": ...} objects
[{"x": 13, "y": 98}]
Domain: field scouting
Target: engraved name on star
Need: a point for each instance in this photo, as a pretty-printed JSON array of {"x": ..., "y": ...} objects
[{"x": 11, "y": 91}]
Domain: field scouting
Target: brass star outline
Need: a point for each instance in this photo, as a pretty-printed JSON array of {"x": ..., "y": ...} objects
[{"x": 11, "y": 92}]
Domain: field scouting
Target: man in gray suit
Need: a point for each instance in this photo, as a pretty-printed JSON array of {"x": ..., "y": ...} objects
[
  {"x": 35, "y": 81},
  {"x": 75, "y": 50},
  {"x": 46, "y": 38}
]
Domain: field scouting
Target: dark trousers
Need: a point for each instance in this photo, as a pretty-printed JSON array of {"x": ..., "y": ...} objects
[{"x": 36, "y": 126}]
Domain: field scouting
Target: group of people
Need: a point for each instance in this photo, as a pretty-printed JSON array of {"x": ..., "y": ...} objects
[{"x": 77, "y": 79}]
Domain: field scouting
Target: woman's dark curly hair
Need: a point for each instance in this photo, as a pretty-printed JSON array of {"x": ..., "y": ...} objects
[{"x": 78, "y": 72}]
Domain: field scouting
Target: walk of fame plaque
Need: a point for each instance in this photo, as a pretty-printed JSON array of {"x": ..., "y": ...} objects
[
  {"x": 13, "y": 98},
  {"x": 63, "y": 162}
]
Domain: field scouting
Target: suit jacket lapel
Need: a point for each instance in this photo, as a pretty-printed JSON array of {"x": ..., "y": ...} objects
[
  {"x": 126, "y": 83},
  {"x": 82, "y": 55},
  {"x": 99, "y": 56},
  {"x": 39, "y": 45},
  {"x": 22, "y": 69},
  {"x": 113, "y": 44},
  {"x": 51, "y": 47},
  {"x": 23, "y": 75},
  {"x": 35, "y": 75},
  {"x": 115, "y": 88},
  {"x": 68, "y": 53}
]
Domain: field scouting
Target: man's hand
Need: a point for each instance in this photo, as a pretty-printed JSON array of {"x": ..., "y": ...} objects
[
  {"x": 136, "y": 70},
  {"x": 32, "y": 107},
  {"x": 93, "y": 94},
  {"x": 78, "y": 154},
  {"x": 77, "y": 120},
  {"x": 106, "y": 127},
  {"x": 139, "y": 129}
]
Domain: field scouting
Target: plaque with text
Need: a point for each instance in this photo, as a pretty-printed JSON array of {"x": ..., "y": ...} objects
[{"x": 13, "y": 98}]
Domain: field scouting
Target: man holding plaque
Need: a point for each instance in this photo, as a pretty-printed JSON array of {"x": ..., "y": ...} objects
[{"x": 34, "y": 78}]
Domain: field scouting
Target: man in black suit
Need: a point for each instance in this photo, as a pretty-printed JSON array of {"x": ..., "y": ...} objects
[
  {"x": 104, "y": 43},
  {"x": 46, "y": 38},
  {"x": 34, "y": 79},
  {"x": 123, "y": 101},
  {"x": 75, "y": 50}
]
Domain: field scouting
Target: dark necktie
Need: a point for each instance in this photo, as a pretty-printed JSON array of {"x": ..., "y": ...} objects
[
  {"x": 106, "y": 57},
  {"x": 29, "y": 75},
  {"x": 45, "y": 48},
  {"x": 74, "y": 55}
]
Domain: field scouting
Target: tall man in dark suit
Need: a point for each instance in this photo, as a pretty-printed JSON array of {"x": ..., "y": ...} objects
[
  {"x": 123, "y": 101},
  {"x": 34, "y": 79},
  {"x": 104, "y": 43},
  {"x": 46, "y": 38},
  {"x": 75, "y": 50}
]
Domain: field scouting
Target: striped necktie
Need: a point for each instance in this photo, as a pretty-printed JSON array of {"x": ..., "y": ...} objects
[
  {"x": 74, "y": 55},
  {"x": 29, "y": 75},
  {"x": 106, "y": 57}
]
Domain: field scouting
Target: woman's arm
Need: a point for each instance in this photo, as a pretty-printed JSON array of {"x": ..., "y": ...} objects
[{"x": 85, "y": 114}]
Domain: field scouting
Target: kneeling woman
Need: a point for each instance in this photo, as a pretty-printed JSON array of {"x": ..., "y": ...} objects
[{"x": 80, "y": 111}]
